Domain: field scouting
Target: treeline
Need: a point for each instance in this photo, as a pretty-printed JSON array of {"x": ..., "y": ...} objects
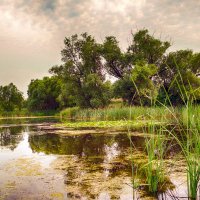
[
  {"x": 10, "y": 98},
  {"x": 145, "y": 74}
]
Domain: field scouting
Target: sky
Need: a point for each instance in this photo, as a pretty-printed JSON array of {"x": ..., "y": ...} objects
[{"x": 32, "y": 31}]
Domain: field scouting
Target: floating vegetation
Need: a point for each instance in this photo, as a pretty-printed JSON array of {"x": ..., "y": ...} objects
[{"x": 121, "y": 124}]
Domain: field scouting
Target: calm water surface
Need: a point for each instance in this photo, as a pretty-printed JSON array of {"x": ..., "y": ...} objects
[{"x": 39, "y": 164}]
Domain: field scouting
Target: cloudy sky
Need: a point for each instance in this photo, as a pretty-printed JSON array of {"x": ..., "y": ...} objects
[{"x": 32, "y": 31}]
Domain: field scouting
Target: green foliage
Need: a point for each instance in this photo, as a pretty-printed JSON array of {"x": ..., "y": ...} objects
[
  {"x": 179, "y": 77},
  {"x": 82, "y": 73},
  {"x": 148, "y": 48},
  {"x": 145, "y": 74},
  {"x": 155, "y": 147},
  {"x": 137, "y": 88},
  {"x": 10, "y": 98},
  {"x": 118, "y": 64},
  {"x": 43, "y": 94},
  {"x": 121, "y": 124},
  {"x": 69, "y": 113},
  {"x": 134, "y": 67},
  {"x": 117, "y": 113}
]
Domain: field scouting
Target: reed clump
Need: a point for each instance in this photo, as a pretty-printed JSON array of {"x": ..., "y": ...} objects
[{"x": 116, "y": 113}]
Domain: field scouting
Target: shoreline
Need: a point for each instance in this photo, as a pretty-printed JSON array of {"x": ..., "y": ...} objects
[{"x": 29, "y": 117}]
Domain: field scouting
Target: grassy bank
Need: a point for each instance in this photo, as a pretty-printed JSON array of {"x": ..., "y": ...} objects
[
  {"x": 132, "y": 117},
  {"x": 119, "y": 113}
]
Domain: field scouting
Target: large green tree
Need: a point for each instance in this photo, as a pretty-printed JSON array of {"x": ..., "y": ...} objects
[
  {"x": 83, "y": 72},
  {"x": 10, "y": 98},
  {"x": 43, "y": 94},
  {"x": 137, "y": 68}
]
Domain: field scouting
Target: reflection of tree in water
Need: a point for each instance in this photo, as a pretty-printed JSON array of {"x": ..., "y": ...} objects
[
  {"x": 83, "y": 145},
  {"x": 70, "y": 145},
  {"x": 95, "y": 163},
  {"x": 11, "y": 136}
]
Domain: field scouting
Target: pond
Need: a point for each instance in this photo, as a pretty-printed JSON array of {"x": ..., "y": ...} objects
[{"x": 38, "y": 162}]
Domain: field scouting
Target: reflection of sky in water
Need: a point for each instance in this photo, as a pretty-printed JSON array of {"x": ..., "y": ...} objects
[
  {"x": 104, "y": 195},
  {"x": 111, "y": 152},
  {"x": 23, "y": 150}
]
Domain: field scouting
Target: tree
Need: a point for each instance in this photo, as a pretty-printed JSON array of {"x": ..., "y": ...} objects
[
  {"x": 147, "y": 48},
  {"x": 179, "y": 76},
  {"x": 43, "y": 94},
  {"x": 136, "y": 68},
  {"x": 10, "y": 98},
  {"x": 83, "y": 72},
  {"x": 138, "y": 88},
  {"x": 118, "y": 64}
]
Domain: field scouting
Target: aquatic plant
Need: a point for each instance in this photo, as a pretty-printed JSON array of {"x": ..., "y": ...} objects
[
  {"x": 155, "y": 147},
  {"x": 120, "y": 124},
  {"x": 187, "y": 122},
  {"x": 115, "y": 113},
  {"x": 191, "y": 150}
]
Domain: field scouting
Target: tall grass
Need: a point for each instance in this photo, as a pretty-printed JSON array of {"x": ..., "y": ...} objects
[
  {"x": 191, "y": 149},
  {"x": 187, "y": 121},
  {"x": 155, "y": 147},
  {"x": 189, "y": 141},
  {"x": 117, "y": 113}
]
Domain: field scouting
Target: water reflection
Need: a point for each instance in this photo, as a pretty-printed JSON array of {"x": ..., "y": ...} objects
[
  {"x": 96, "y": 166},
  {"x": 10, "y": 137},
  {"x": 24, "y": 174},
  {"x": 83, "y": 145}
]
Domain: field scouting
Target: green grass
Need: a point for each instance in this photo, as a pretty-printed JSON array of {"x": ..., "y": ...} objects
[
  {"x": 116, "y": 113},
  {"x": 190, "y": 117},
  {"x": 188, "y": 124},
  {"x": 191, "y": 148},
  {"x": 155, "y": 148}
]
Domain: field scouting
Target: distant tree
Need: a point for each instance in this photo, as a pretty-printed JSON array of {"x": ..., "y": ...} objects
[
  {"x": 43, "y": 94},
  {"x": 83, "y": 73},
  {"x": 10, "y": 98}
]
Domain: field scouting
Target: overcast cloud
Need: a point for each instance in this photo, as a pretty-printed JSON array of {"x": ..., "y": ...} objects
[{"x": 32, "y": 31}]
